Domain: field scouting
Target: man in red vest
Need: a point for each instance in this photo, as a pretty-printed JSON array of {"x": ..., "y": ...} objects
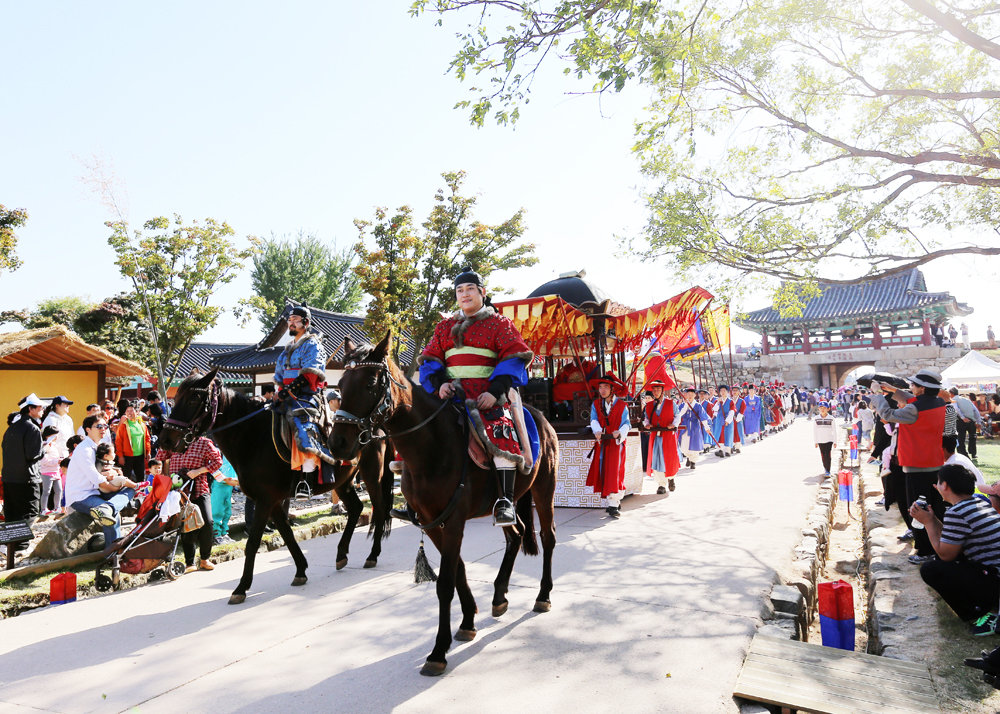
[
  {"x": 610, "y": 423},
  {"x": 658, "y": 418},
  {"x": 918, "y": 447}
]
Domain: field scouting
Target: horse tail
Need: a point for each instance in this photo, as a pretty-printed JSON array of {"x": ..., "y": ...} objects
[{"x": 529, "y": 541}]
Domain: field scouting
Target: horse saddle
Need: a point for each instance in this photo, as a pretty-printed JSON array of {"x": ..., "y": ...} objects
[
  {"x": 525, "y": 429},
  {"x": 284, "y": 432}
]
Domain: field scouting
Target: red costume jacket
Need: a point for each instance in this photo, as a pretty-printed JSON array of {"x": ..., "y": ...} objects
[
  {"x": 665, "y": 441},
  {"x": 607, "y": 470}
]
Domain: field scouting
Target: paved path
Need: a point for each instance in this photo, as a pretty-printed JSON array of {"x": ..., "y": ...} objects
[{"x": 653, "y": 612}]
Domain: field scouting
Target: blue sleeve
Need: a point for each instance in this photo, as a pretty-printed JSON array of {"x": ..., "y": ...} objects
[
  {"x": 626, "y": 424},
  {"x": 427, "y": 368},
  {"x": 279, "y": 368},
  {"x": 515, "y": 368}
]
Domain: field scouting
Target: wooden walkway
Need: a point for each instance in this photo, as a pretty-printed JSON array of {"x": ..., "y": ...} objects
[{"x": 814, "y": 678}]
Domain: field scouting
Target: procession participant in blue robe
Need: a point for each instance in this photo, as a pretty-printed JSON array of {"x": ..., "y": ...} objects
[
  {"x": 722, "y": 422},
  {"x": 692, "y": 425},
  {"x": 753, "y": 413},
  {"x": 740, "y": 437},
  {"x": 708, "y": 404}
]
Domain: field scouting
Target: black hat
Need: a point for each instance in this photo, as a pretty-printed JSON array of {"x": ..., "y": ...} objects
[
  {"x": 724, "y": 386},
  {"x": 692, "y": 390},
  {"x": 60, "y": 400},
  {"x": 468, "y": 275},
  {"x": 302, "y": 311}
]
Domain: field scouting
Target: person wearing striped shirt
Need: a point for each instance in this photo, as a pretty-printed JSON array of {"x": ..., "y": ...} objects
[{"x": 967, "y": 545}]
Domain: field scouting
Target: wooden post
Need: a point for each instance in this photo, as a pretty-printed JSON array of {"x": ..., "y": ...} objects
[
  {"x": 763, "y": 343},
  {"x": 805, "y": 340},
  {"x": 876, "y": 336}
]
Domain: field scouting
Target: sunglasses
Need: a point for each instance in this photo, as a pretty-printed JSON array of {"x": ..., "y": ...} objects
[{"x": 102, "y": 427}]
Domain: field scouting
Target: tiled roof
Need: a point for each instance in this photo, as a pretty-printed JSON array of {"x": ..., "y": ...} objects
[
  {"x": 334, "y": 327},
  {"x": 201, "y": 355},
  {"x": 902, "y": 292}
]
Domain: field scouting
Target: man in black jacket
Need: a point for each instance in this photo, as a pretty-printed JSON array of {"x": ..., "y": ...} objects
[{"x": 22, "y": 452}]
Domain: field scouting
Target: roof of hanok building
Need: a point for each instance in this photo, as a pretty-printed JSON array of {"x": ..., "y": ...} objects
[
  {"x": 201, "y": 356},
  {"x": 334, "y": 327},
  {"x": 900, "y": 293},
  {"x": 58, "y": 345}
]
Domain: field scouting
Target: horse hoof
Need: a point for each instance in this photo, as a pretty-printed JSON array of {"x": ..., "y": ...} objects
[
  {"x": 500, "y": 609},
  {"x": 541, "y": 606},
  {"x": 237, "y": 599},
  {"x": 341, "y": 563},
  {"x": 465, "y": 635},
  {"x": 370, "y": 563},
  {"x": 433, "y": 669},
  {"x": 299, "y": 580}
]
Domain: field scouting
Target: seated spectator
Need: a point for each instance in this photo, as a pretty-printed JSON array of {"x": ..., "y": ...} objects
[
  {"x": 105, "y": 463},
  {"x": 88, "y": 490},
  {"x": 967, "y": 545}
]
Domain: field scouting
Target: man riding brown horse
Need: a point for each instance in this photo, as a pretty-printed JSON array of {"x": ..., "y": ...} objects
[{"x": 479, "y": 354}]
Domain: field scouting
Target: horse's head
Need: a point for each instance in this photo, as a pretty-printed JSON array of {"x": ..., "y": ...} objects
[
  {"x": 195, "y": 407},
  {"x": 366, "y": 389}
]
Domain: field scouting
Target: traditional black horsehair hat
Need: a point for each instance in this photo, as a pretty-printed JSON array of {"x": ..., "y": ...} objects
[{"x": 468, "y": 275}]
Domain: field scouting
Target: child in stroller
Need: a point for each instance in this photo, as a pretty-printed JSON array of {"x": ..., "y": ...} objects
[{"x": 153, "y": 541}]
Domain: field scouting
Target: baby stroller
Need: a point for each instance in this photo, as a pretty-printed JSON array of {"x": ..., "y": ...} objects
[{"x": 153, "y": 541}]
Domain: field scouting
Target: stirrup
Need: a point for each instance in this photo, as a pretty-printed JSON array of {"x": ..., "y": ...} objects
[
  {"x": 302, "y": 490},
  {"x": 497, "y": 505}
]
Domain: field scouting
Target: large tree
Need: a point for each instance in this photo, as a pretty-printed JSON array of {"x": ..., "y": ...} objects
[
  {"x": 304, "y": 269},
  {"x": 408, "y": 272},
  {"x": 10, "y": 218},
  {"x": 175, "y": 268},
  {"x": 798, "y": 139}
]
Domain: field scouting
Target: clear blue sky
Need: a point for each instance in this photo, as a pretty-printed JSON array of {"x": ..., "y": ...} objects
[{"x": 277, "y": 117}]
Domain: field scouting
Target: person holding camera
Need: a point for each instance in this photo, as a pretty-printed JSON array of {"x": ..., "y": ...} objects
[
  {"x": 920, "y": 416},
  {"x": 967, "y": 543}
]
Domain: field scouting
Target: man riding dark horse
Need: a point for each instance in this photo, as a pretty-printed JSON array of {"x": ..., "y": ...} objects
[
  {"x": 479, "y": 354},
  {"x": 300, "y": 380}
]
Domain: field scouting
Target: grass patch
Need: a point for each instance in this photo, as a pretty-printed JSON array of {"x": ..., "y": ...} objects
[{"x": 988, "y": 458}]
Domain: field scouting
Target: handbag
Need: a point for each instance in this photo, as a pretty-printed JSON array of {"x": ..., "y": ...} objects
[{"x": 193, "y": 520}]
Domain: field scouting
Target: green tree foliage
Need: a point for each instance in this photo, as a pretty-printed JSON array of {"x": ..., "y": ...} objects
[
  {"x": 116, "y": 324},
  {"x": 10, "y": 218},
  {"x": 409, "y": 272},
  {"x": 176, "y": 267},
  {"x": 795, "y": 139},
  {"x": 304, "y": 269}
]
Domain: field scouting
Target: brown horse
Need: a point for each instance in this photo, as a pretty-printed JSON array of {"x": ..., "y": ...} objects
[
  {"x": 242, "y": 429},
  {"x": 441, "y": 483}
]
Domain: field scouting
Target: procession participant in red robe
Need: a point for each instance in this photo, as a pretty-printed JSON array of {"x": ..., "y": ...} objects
[
  {"x": 658, "y": 417},
  {"x": 610, "y": 423}
]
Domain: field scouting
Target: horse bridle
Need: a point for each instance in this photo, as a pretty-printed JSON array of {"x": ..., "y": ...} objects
[
  {"x": 193, "y": 429},
  {"x": 374, "y": 422}
]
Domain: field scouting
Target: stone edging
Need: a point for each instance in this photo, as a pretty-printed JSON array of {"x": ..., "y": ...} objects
[{"x": 791, "y": 607}]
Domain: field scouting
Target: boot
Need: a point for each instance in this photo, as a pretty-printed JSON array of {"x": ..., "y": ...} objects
[
  {"x": 670, "y": 484},
  {"x": 503, "y": 509},
  {"x": 404, "y": 513}
]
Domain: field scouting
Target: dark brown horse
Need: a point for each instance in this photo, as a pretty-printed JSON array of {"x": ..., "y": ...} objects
[
  {"x": 442, "y": 484},
  {"x": 203, "y": 405}
]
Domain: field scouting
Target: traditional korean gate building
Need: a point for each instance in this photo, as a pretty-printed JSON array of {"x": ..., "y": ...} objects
[{"x": 885, "y": 322}]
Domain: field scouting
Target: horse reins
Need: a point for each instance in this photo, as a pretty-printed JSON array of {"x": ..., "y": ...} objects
[
  {"x": 367, "y": 426},
  {"x": 190, "y": 428}
]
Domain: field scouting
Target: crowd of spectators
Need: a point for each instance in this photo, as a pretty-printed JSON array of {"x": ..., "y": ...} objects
[{"x": 103, "y": 468}]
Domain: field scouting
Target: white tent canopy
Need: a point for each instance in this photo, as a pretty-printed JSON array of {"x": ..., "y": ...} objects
[{"x": 973, "y": 368}]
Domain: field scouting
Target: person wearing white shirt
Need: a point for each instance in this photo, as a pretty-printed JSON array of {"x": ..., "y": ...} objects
[
  {"x": 88, "y": 491},
  {"x": 59, "y": 418}
]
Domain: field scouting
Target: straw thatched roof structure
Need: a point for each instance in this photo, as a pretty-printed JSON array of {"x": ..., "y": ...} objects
[{"x": 59, "y": 346}]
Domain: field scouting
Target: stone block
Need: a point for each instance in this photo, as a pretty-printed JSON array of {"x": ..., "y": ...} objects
[
  {"x": 776, "y": 631},
  {"x": 68, "y": 537},
  {"x": 787, "y": 599}
]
